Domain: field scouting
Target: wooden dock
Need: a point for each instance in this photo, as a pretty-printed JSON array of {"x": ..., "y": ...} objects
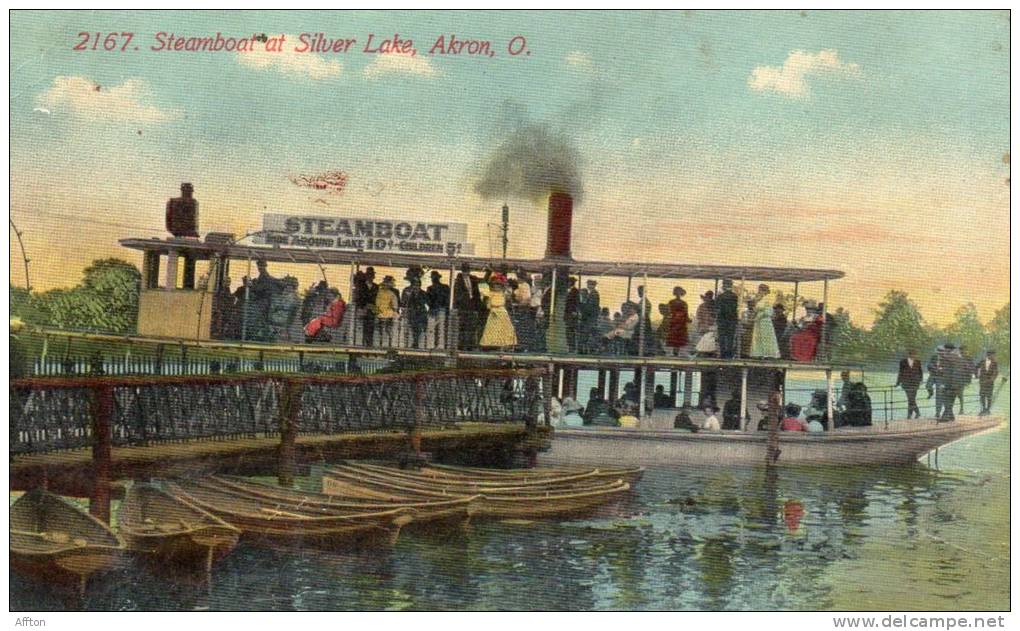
[{"x": 72, "y": 473}]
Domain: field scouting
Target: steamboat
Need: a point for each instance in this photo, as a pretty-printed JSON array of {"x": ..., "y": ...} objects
[{"x": 183, "y": 312}]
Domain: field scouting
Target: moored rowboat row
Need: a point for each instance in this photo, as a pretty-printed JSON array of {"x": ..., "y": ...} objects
[{"x": 189, "y": 524}]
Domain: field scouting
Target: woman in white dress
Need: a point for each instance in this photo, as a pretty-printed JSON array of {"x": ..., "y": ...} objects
[{"x": 763, "y": 333}]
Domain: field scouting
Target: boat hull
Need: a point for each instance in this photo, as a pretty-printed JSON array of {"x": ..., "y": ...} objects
[
  {"x": 67, "y": 568},
  {"x": 273, "y": 526},
  {"x": 904, "y": 442},
  {"x": 427, "y": 516},
  {"x": 553, "y": 503}
]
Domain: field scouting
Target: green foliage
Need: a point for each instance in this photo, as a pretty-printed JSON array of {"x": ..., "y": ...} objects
[
  {"x": 898, "y": 326},
  {"x": 967, "y": 331},
  {"x": 106, "y": 300},
  {"x": 998, "y": 334}
]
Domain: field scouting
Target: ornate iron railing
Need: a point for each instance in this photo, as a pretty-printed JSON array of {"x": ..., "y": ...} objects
[{"x": 56, "y": 414}]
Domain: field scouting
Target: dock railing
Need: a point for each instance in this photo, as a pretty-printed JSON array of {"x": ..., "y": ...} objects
[
  {"x": 100, "y": 413},
  {"x": 51, "y": 414}
]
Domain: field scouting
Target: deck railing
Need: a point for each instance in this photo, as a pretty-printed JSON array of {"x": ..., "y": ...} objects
[{"x": 74, "y": 413}]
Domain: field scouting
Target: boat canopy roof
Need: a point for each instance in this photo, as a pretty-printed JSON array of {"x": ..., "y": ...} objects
[{"x": 202, "y": 250}]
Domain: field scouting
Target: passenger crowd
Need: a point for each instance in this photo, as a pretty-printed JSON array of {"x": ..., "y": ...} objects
[{"x": 512, "y": 310}]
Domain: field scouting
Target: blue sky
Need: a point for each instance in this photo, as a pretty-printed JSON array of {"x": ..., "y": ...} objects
[{"x": 865, "y": 141}]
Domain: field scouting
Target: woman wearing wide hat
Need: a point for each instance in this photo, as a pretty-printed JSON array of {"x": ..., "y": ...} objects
[
  {"x": 499, "y": 328},
  {"x": 804, "y": 343}
]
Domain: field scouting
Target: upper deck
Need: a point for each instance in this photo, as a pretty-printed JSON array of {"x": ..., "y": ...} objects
[{"x": 204, "y": 250}]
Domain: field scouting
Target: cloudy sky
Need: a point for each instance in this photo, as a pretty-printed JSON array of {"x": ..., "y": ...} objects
[{"x": 874, "y": 143}]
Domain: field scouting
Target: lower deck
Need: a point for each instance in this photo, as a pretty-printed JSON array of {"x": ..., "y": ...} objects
[{"x": 885, "y": 443}]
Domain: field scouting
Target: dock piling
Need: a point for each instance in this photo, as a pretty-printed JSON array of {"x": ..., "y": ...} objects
[
  {"x": 290, "y": 412},
  {"x": 102, "y": 439}
]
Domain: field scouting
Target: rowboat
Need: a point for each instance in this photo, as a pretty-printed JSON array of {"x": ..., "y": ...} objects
[
  {"x": 512, "y": 477},
  {"x": 55, "y": 541},
  {"x": 428, "y": 515},
  {"x": 449, "y": 485},
  {"x": 171, "y": 531},
  {"x": 497, "y": 504},
  {"x": 260, "y": 520}
]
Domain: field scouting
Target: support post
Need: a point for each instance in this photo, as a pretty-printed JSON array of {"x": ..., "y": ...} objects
[
  {"x": 641, "y": 393},
  {"x": 775, "y": 407},
  {"x": 614, "y": 385},
  {"x": 159, "y": 359},
  {"x": 674, "y": 385},
  {"x": 290, "y": 412},
  {"x": 188, "y": 280},
  {"x": 741, "y": 325},
  {"x": 796, "y": 298},
  {"x": 547, "y": 389},
  {"x": 352, "y": 307},
  {"x": 830, "y": 420},
  {"x": 555, "y": 330},
  {"x": 743, "y": 399},
  {"x": 601, "y": 384},
  {"x": 450, "y": 344},
  {"x": 247, "y": 301},
  {"x": 102, "y": 438},
  {"x": 825, "y": 323},
  {"x": 171, "y": 270},
  {"x": 419, "y": 416},
  {"x": 688, "y": 387},
  {"x": 150, "y": 269},
  {"x": 559, "y": 384}
]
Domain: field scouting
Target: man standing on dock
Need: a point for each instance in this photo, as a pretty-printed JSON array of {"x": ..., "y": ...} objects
[
  {"x": 726, "y": 320},
  {"x": 986, "y": 372},
  {"x": 909, "y": 378}
]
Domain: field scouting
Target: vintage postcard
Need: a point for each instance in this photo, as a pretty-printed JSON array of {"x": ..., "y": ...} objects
[{"x": 520, "y": 311}]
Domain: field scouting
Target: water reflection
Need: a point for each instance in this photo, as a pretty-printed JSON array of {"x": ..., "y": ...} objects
[{"x": 709, "y": 538}]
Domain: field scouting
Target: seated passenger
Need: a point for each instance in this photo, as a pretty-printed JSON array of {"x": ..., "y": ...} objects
[
  {"x": 731, "y": 412},
  {"x": 628, "y": 416},
  {"x": 621, "y": 339},
  {"x": 707, "y": 345},
  {"x": 711, "y": 422},
  {"x": 598, "y": 411},
  {"x": 660, "y": 399},
  {"x": 792, "y": 422},
  {"x": 572, "y": 413},
  {"x": 555, "y": 413},
  {"x": 815, "y": 426},
  {"x": 683, "y": 421},
  {"x": 318, "y": 328}
]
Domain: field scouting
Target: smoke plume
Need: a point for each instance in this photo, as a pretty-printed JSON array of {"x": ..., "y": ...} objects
[{"x": 531, "y": 160}]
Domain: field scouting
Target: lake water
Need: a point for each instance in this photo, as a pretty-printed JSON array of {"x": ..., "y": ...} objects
[{"x": 902, "y": 538}]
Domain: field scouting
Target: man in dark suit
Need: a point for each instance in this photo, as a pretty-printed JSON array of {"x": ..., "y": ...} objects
[
  {"x": 467, "y": 300},
  {"x": 909, "y": 378},
  {"x": 726, "y": 320},
  {"x": 571, "y": 313},
  {"x": 986, "y": 371},
  {"x": 365, "y": 291}
]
